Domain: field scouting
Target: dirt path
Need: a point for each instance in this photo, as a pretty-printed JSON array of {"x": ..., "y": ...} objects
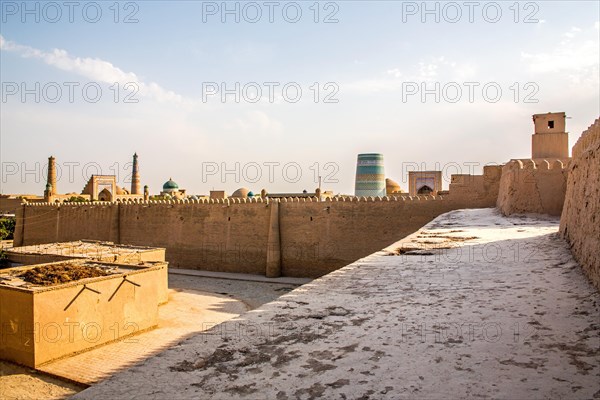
[{"x": 195, "y": 304}]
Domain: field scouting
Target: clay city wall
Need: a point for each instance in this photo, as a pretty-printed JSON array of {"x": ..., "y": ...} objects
[
  {"x": 580, "y": 219},
  {"x": 9, "y": 205},
  {"x": 50, "y": 222},
  {"x": 214, "y": 236},
  {"x": 298, "y": 237},
  {"x": 481, "y": 188},
  {"x": 318, "y": 238},
  {"x": 532, "y": 186}
]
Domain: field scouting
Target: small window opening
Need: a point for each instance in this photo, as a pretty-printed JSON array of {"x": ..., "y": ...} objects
[{"x": 550, "y": 124}]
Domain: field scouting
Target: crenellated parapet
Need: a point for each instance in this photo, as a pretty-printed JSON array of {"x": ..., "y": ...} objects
[
  {"x": 236, "y": 201},
  {"x": 476, "y": 191},
  {"x": 533, "y": 186},
  {"x": 537, "y": 164},
  {"x": 590, "y": 136}
]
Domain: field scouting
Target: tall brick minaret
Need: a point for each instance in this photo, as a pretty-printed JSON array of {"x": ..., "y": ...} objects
[
  {"x": 51, "y": 175},
  {"x": 136, "y": 187}
]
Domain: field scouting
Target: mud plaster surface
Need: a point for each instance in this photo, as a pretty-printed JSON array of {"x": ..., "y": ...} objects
[{"x": 480, "y": 306}]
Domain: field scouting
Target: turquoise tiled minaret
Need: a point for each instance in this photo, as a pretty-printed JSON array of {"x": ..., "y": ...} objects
[{"x": 370, "y": 176}]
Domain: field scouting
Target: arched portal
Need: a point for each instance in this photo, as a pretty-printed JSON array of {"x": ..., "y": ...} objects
[
  {"x": 105, "y": 195},
  {"x": 425, "y": 190}
]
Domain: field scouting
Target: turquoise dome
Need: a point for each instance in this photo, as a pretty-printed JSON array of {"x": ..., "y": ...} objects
[{"x": 170, "y": 185}]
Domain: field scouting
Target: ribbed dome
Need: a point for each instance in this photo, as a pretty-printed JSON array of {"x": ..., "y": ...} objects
[
  {"x": 241, "y": 193},
  {"x": 391, "y": 186},
  {"x": 170, "y": 185}
]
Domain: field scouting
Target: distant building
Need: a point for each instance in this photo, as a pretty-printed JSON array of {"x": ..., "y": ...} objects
[
  {"x": 102, "y": 188},
  {"x": 97, "y": 188},
  {"x": 171, "y": 189},
  {"x": 325, "y": 194},
  {"x": 245, "y": 193},
  {"x": 242, "y": 193},
  {"x": 10, "y": 202},
  {"x": 392, "y": 187},
  {"x": 218, "y": 194},
  {"x": 136, "y": 186},
  {"x": 370, "y": 177},
  {"x": 424, "y": 182},
  {"x": 51, "y": 194}
]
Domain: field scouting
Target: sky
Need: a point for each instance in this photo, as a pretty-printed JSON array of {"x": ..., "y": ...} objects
[{"x": 222, "y": 95}]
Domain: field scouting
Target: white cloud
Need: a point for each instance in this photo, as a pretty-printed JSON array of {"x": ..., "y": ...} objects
[
  {"x": 576, "y": 56},
  {"x": 396, "y": 73},
  {"x": 436, "y": 69},
  {"x": 373, "y": 85},
  {"x": 572, "y": 33},
  {"x": 91, "y": 68},
  {"x": 255, "y": 123}
]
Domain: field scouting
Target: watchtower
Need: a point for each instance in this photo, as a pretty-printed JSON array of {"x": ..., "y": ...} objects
[{"x": 550, "y": 140}]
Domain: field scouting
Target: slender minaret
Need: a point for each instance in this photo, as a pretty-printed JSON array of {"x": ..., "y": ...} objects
[
  {"x": 48, "y": 193},
  {"x": 51, "y": 176},
  {"x": 135, "y": 177}
]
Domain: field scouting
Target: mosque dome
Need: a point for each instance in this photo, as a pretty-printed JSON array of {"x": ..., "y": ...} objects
[
  {"x": 392, "y": 186},
  {"x": 241, "y": 193},
  {"x": 250, "y": 194},
  {"x": 170, "y": 185},
  {"x": 120, "y": 190}
]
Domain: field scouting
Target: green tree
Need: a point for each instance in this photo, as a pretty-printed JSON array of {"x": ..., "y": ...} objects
[
  {"x": 77, "y": 199},
  {"x": 7, "y": 228}
]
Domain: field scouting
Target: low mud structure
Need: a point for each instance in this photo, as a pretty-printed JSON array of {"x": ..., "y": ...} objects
[{"x": 53, "y": 310}]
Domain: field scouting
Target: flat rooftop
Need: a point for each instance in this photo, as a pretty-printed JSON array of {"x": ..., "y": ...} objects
[
  {"x": 83, "y": 249},
  {"x": 50, "y": 276},
  {"x": 472, "y": 305}
]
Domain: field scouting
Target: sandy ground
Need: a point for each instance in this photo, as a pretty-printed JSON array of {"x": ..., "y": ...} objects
[
  {"x": 253, "y": 294},
  {"x": 195, "y": 304},
  {"x": 474, "y": 305},
  {"x": 18, "y": 382}
]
